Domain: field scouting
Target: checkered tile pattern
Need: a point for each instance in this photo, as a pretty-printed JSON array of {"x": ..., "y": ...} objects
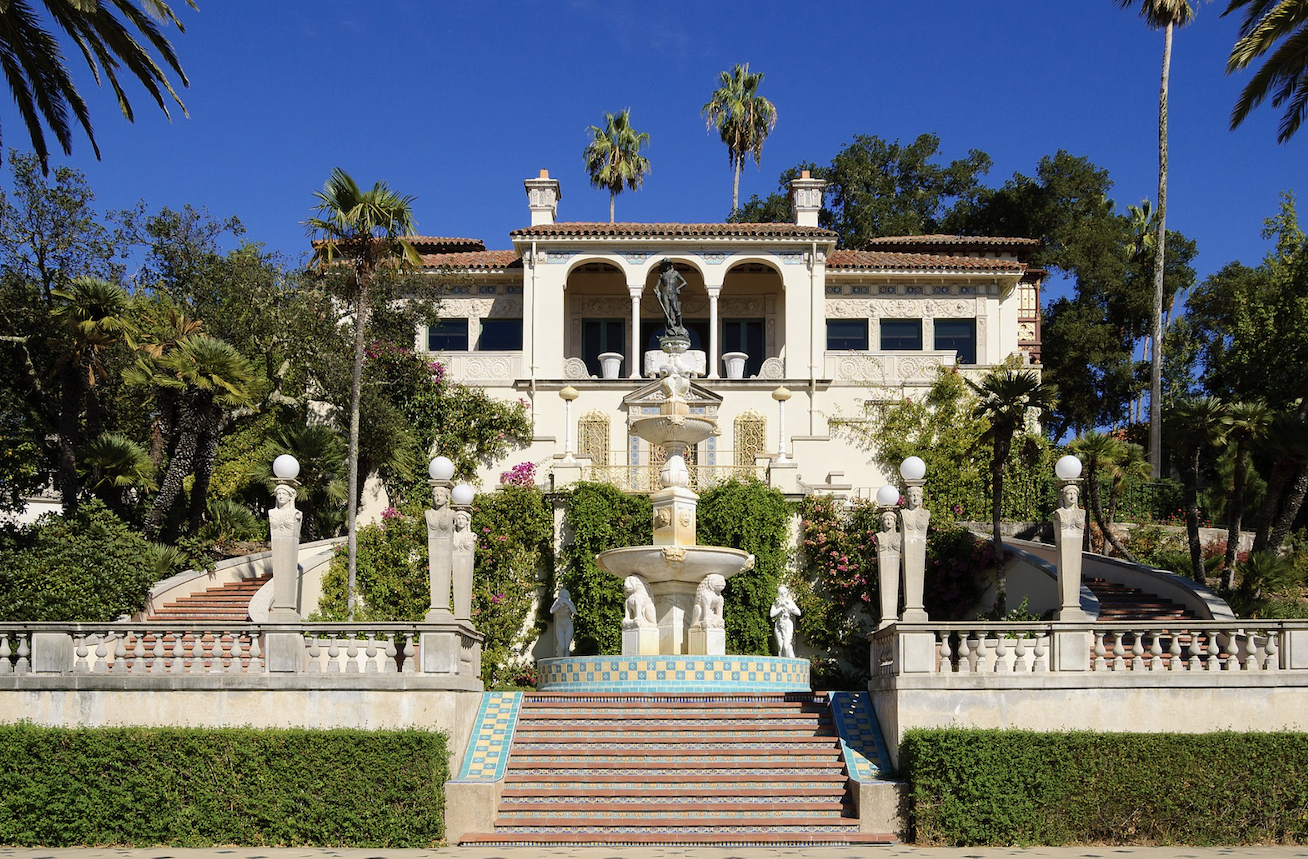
[
  {"x": 488, "y": 750},
  {"x": 860, "y": 735},
  {"x": 670, "y": 674}
]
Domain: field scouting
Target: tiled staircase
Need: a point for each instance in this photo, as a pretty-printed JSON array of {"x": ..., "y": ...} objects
[
  {"x": 1118, "y": 602},
  {"x": 690, "y": 769},
  {"x": 229, "y": 602}
]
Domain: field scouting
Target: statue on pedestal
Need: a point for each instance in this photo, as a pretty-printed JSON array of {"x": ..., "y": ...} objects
[
  {"x": 1069, "y": 536},
  {"x": 889, "y": 542},
  {"x": 563, "y": 610},
  {"x": 464, "y": 544},
  {"x": 284, "y": 528},
  {"x": 914, "y": 519},
  {"x": 638, "y": 608},
  {"x": 440, "y": 559},
  {"x": 668, "y": 292},
  {"x": 784, "y": 611},
  {"x": 707, "y": 613}
]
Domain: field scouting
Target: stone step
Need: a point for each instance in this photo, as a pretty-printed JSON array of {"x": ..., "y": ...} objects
[
  {"x": 751, "y": 824},
  {"x": 639, "y": 810},
  {"x": 709, "y": 733},
  {"x": 602, "y": 758},
  {"x": 742, "y": 777},
  {"x": 544, "y": 792},
  {"x": 714, "y": 837}
]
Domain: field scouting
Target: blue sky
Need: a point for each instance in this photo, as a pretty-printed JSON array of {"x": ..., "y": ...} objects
[{"x": 457, "y": 103}]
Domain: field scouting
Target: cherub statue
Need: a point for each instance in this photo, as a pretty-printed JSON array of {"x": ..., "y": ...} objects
[
  {"x": 707, "y": 613},
  {"x": 563, "y": 610},
  {"x": 784, "y": 612},
  {"x": 639, "y": 605}
]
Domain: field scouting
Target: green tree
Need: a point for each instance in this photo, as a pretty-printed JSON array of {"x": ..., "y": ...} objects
[
  {"x": 112, "y": 465},
  {"x": 1101, "y": 452},
  {"x": 43, "y": 89},
  {"x": 613, "y": 158},
  {"x": 1005, "y": 401},
  {"x": 743, "y": 119},
  {"x": 364, "y": 230},
  {"x": 1284, "y": 74},
  {"x": 1250, "y": 421},
  {"x": 1193, "y": 426},
  {"x": 1162, "y": 15}
]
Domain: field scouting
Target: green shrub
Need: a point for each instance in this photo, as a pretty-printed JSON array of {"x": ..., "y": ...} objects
[
  {"x": 988, "y": 787},
  {"x": 837, "y": 592},
  {"x": 90, "y": 566},
  {"x": 192, "y": 787}
]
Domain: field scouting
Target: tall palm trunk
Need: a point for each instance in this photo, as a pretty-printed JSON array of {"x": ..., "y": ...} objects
[
  {"x": 611, "y": 213},
  {"x": 1190, "y": 486},
  {"x": 1290, "y": 512},
  {"x": 1002, "y": 446},
  {"x": 1277, "y": 480},
  {"x": 205, "y": 455},
  {"x": 69, "y": 437},
  {"x": 735, "y": 186},
  {"x": 189, "y": 431},
  {"x": 1104, "y": 522},
  {"x": 1236, "y": 514},
  {"x": 1160, "y": 241},
  {"x": 356, "y": 386}
]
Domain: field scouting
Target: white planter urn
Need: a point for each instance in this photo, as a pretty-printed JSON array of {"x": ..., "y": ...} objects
[
  {"x": 735, "y": 363},
  {"x": 610, "y": 365}
]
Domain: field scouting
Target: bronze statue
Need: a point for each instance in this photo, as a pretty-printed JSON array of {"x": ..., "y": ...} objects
[{"x": 668, "y": 291}]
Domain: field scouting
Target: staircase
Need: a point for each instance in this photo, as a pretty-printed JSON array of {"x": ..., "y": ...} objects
[
  {"x": 689, "y": 769},
  {"x": 229, "y": 602},
  {"x": 1118, "y": 602}
]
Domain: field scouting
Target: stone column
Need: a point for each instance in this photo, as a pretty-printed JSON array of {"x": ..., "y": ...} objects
[
  {"x": 914, "y": 518},
  {"x": 888, "y": 546},
  {"x": 464, "y": 546},
  {"x": 440, "y": 564},
  {"x": 1069, "y": 534},
  {"x": 636, "y": 357},
  {"x": 714, "y": 344},
  {"x": 284, "y": 523}
]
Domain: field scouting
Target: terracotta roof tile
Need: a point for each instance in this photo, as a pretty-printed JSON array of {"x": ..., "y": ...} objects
[
  {"x": 944, "y": 240},
  {"x": 672, "y": 231},
  {"x": 444, "y": 244},
  {"x": 476, "y": 260},
  {"x": 897, "y": 260}
]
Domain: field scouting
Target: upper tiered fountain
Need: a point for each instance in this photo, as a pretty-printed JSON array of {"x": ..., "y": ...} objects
[{"x": 674, "y": 587}]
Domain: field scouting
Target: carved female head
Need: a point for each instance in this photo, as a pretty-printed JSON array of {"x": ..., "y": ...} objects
[
  {"x": 462, "y": 520},
  {"x": 284, "y": 494}
]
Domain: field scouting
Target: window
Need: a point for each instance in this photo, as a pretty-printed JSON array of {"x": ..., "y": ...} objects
[
  {"x": 500, "y": 335},
  {"x": 901, "y": 335},
  {"x": 448, "y": 335},
  {"x": 652, "y": 329},
  {"x": 745, "y": 335},
  {"x": 846, "y": 334},
  {"x": 601, "y": 335},
  {"x": 959, "y": 334}
]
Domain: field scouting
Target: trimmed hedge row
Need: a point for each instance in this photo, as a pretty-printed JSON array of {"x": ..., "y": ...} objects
[
  {"x": 990, "y": 787},
  {"x": 189, "y": 787}
]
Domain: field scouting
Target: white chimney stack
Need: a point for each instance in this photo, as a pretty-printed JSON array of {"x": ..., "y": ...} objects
[
  {"x": 806, "y": 199},
  {"x": 543, "y": 197}
]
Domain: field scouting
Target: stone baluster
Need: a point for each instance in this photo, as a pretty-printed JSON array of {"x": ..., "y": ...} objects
[
  {"x": 1174, "y": 651},
  {"x": 315, "y": 654},
  {"x": 980, "y": 653},
  {"x": 1155, "y": 653},
  {"x": 1019, "y": 654},
  {"x": 120, "y": 654},
  {"x": 1038, "y": 664},
  {"x": 946, "y": 664},
  {"x": 410, "y": 654},
  {"x": 1196, "y": 647},
  {"x": 1273, "y": 649},
  {"x": 1119, "y": 650},
  {"x": 333, "y": 653},
  {"x": 1101, "y": 652},
  {"x": 352, "y": 652},
  {"x": 23, "y": 665},
  {"x": 179, "y": 654},
  {"x": 370, "y": 652},
  {"x": 1001, "y": 652},
  {"x": 966, "y": 652},
  {"x": 1137, "y": 652},
  {"x": 390, "y": 666},
  {"x": 140, "y": 664},
  {"x": 256, "y": 654},
  {"x": 1255, "y": 652},
  {"x": 1215, "y": 647},
  {"x": 79, "y": 665},
  {"x": 6, "y": 652},
  {"x": 101, "y": 657}
]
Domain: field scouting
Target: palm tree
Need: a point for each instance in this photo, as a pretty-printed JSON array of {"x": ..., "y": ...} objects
[
  {"x": 1131, "y": 465},
  {"x": 1194, "y": 425},
  {"x": 1160, "y": 15},
  {"x": 1285, "y": 73},
  {"x": 613, "y": 157},
  {"x": 743, "y": 118},
  {"x": 95, "y": 314},
  {"x": 1287, "y": 443},
  {"x": 116, "y": 464},
  {"x": 1006, "y": 398},
  {"x": 40, "y": 82},
  {"x": 1250, "y": 421},
  {"x": 1101, "y": 451},
  {"x": 362, "y": 230},
  {"x": 210, "y": 377},
  {"x": 321, "y": 492}
]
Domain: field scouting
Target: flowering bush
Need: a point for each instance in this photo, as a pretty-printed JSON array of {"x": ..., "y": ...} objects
[
  {"x": 959, "y": 566},
  {"x": 838, "y": 593},
  {"x": 522, "y": 474}
]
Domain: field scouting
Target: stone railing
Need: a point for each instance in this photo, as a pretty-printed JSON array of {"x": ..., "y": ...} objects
[
  {"x": 1051, "y": 648},
  {"x": 645, "y": 478},
  {"x": 142, "y": 649}
]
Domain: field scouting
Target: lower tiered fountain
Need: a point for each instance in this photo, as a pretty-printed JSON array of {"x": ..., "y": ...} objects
[{"x": 673, "y": 629}]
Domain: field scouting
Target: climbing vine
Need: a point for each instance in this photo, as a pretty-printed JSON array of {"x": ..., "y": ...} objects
[{"x": 600, "y": 517}]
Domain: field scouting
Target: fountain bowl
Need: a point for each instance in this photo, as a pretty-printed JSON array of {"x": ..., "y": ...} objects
[
  {"x": 687, "y": 429},
  {"x": 685, "y": 564}
]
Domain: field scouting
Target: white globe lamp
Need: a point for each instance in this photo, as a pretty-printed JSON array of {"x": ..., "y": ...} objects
[
  {"x": 888, "y": 495},
  {"x": 286, "y": 467},
  {"x": 462, "y": 495},
  {"x": 441, "y": 468},
  {"x": 912, "y": 468},
  {"x": 1068, "y": 468}
]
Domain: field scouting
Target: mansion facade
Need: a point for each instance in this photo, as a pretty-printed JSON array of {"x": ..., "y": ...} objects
[{"x": 794, "y": 332}]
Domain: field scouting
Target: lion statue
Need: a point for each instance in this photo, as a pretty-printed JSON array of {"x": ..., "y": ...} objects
[
  {"x": 639, "y": 605},
  {"x": 708, "y": 603}
]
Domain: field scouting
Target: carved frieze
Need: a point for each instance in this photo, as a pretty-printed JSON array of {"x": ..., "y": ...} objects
[{"x": 896, "y": 308}]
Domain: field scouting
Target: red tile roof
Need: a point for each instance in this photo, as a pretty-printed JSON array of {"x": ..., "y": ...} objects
[
  {"x": 673, "y": 231},
  {"x": 444, "y": 244},
  {"x": 482, "y": 260},
  {"x": 1020, "y": 246},
  {"x": 899, "y": 261}
]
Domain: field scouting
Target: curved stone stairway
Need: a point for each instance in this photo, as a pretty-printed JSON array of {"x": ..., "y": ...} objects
[
  {"x": 686, "y": 769},
  {"x": 1118, "y": 602},
  {"x": 229, "y": 602}
]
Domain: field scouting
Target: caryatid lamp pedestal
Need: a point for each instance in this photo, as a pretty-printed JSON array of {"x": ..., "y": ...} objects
[
  {"x": 284, "y": 525},
  {"x": 914, "y": 519},
  {"x": 440, "y": 551},
  {"x": 1069, "y": 534}
]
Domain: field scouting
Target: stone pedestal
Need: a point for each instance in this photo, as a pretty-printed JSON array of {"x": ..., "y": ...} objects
[
  {"x": 674, "y": 516},
  {"x": 1069, "y": 535},
  {"x": 440, "y": 652},
  {"x": 283, "y": 652},
  {"x": 913, "y": 522},
  {"x": 707, "y": 641},
  {"x": 1072, "y": 650},
  {"x": 784, "y": 477},
  {"x": 640, "y": 641},
  {"x": 284, "y": 526}
]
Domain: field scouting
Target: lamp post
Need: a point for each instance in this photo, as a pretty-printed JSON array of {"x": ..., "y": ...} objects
[
  {"x": 781, "y": 394},
  {"x": 440, "y": 535},
  {"x": 888, "y": 554},
  {"x": 913, "y": 519},
  {"x": 568, "y": 394},
  {"x": 284, "y": 527},
  {"x": 1069, "y": 532}
]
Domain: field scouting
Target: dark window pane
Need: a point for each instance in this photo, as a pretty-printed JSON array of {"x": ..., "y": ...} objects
[
  {"x": 652, "y": 329},
  {"x": 744, "y": 335},
  {"x": 500, "y": 335},
  {"x": 957, "y": 334},
  {"x": 846, "y": 334},
  {"x": 448, "y": 335},
  {"x": 901, "y": 335},
  {"x": 601, "y": 335}
]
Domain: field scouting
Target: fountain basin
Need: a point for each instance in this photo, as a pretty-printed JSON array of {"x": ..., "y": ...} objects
[
  {"x": 684, "y": 564},
  {"x": 686, "y": 429}
]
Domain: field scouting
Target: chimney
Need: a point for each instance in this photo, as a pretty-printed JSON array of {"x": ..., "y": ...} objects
[
  {"x": 543, "y": 198},
  {"x": 806, "y": 199}
]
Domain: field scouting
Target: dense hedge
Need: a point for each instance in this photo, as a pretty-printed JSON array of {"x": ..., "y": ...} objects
[
  {"x": 187, "y": 787},
  {"x": 975, "y": 787}
]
